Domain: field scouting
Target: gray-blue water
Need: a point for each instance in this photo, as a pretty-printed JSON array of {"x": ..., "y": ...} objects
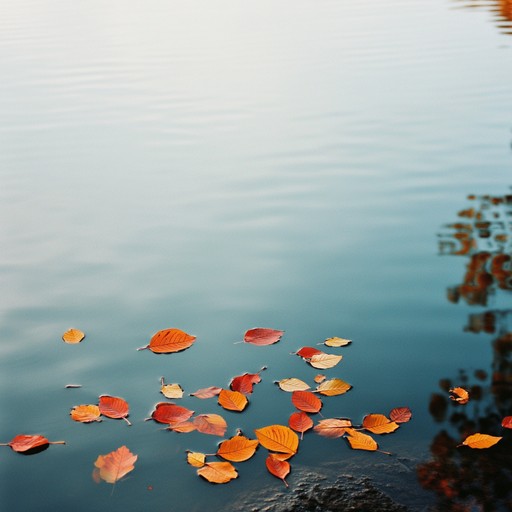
[{"x": 217, "y": 166}]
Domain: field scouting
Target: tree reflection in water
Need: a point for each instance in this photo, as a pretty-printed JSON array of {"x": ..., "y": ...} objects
[
  {"x": 501, "y": 11},
  {"x": 466, "y": 479}
]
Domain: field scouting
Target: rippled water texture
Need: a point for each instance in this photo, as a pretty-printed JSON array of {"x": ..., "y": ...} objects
[{"x": 217, "y": 166}]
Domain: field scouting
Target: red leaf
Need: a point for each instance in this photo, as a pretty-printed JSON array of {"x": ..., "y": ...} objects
[
  {"x": 244, "y": 383},
  {"x": 24, "y": 443},
  {"x": 400, "y": 414},
  {"x": 114, "y": 407},
  {"x": 507, "y": 422},
  {"x": 171, "y": 414},
  {"x": 262, "y": 336},
  {"x": 308, "y": 352},
  {"x": 300, "y": 422},
  {"x": 278, "y": 468},
  {"x": 306, "y": 401}
]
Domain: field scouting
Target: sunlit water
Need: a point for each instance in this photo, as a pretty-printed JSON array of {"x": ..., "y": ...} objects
[{"x": 216, "y": 166}]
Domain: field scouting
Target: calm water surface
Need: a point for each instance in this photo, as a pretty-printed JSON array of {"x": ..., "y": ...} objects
[{"x": 220, "y": 166}]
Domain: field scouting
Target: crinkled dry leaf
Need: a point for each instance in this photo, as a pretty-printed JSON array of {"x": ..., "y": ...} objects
[
  {"x": 278, "y": 438},
  {"x": 459, "y": 395},
  {"x": 85, "y": 413},
  {"x": 196, "y": 459},
  {"x": 170, "y": 340},
  {"x": 24, "y": 443},
  {"x": 332, "y": 427},
  {"x": 114, "y": 407},
  {"x": 244, "y": 383},
  {"x": 306, "y": 401},
  {"x": 218, "y": 472},
  {"x": 480, "y": 441},
  {"x": 507, "y": 422},
  {"x": 238, "y": 448},
  {"x": 171, "y": 391},
  {"x": 379, "y": 424},
  {"x": 300, "y": 422},
  {"x": 337, "y": 342},
  {"x": 114, "y": 465},
  {"x": 292, "y": 384},
  {"x": 400, "y": 414},
  {"x": 232, "y": 400},
  {"x": 170, "y": 413},
  {"x": 319, "y": 378},
  {"x": 262, "y": 336},
  {"x": 209, "y": 392},
  {"x": 307, "y": 352},
  {"x": 278, "y": 468},
  {"x": 333, "y": 387},
  {"x": 360, "y": 441},
  {"x": 73, "y": 336},
  {"x": 324, "y": 361},
  {"x": 210, "y": 424}
]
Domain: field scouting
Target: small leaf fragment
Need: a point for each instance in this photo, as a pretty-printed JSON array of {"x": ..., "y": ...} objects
[
  {"x": 480, "y": 441},
  {"x": 262, "y": 336},
  {"x": 319, "y": 378},
  {"x": 306, "y": 401},
  {"x": 196, "y": 459},
  {"x": 293, "y": 384},
  {"x": 333, "y": 387},
  {"x": 278, "y": 468},
  {"x": 116, "y": 464},
  {"x": 73, "y": 336},
  {"x": 337, "y": 342},
  {"x": 85, "y": 413},
  {"x": 278, "y": 438},
  {"x": 218, "y": 472},
  {"x": 232, "y": 400},
  {"x": 237, "y": 449},
  {"x": 459, "y": 395}
]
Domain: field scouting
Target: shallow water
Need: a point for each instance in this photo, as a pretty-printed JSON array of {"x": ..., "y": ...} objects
[{"x": 216, "y": 167}]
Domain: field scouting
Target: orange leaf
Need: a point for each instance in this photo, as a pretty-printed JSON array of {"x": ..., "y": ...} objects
[
  {"x": 292, "y": 384},
  {"x": 232, "y": 400},
  {"x": 278, "y": 468},
  {"x": 379, "y": 424},
  {"x": 333, "y": 387},
  {"x": 262, "y": 336},
  {"x": 182, "y": 428},
  {"x": 238, "y": 448},
  {"x": 300, "y": 422},
  {"x": 170, "y": 413},
  {"x": 26, "y": 443},
  {"x": 206, "y": 392},
  {"x": 400, "y": 414},
  {"x": 332, "y": 427},
  {"x": 459, "y": 395},
  {"x": 324, "y": 361},
  {"x": 196, "y": 459},
  {"x": 244, "y": 383},
  {"x": 85, "y": 413},
  {"x": 73, "y": 336},
  {"x": 278, "y": 438},
  {"x": 306, "y": 401},
  {"x": 307, "y": 352},
  {"x": 114, "y": 465},
  {"x": 170, "y": 340},
  {"x": 218, "y": 472},
  {"x": 319, "y": 378},
  {"x": 210, "y": 424},
  {"x": 480, "y": 441},
  {"x": 507, "y": 422},
  {"x": 360, "y": 441},
  {"x": 114, "y": 407}
]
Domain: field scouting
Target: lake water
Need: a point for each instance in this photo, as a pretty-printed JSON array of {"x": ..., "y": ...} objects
[{"x": 217, "y": 166}]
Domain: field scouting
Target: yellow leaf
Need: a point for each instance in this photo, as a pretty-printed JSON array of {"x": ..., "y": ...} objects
[
  {"x": 481, "y": 441},
  {"x": 324, "y": 361},
  {"x": 172, "y": 391},
  {"x": 359, "y": 441},
  {"x": 238, "y": 448},
  {"x": 73, "y": 336},
  {"x": 278, "y": 438},
  {"x": 333, "y": 387},
  {"x": 336, "y": 342},
  {"x": 459, "y": 395},
  {"x": 218, "y": 472},
  {"x": 379, "y": 424},
  {"x": 293, "y": 384},
  {"x": 196, "y": 459}
]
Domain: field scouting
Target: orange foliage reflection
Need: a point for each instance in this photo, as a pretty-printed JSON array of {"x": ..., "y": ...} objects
[{"x": 501, "y": 11}]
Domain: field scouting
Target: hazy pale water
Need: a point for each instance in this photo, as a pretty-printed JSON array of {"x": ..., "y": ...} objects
[{"x": 220, "y": 166}]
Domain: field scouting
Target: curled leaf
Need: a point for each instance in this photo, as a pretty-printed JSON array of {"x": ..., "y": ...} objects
[
  {"x": 333, "y": 387},
  {"x": 262, "y": 336},
  {"x": 232, "y": 400},
  {"x": 238, "y": 448},
  {"x": 379, "y": 424},
  {"x": 337, "y": 342},
  {"x": 481, "y": 441},
  {"x": 85, "y": 413},
  {"x": 209, "y": 392},
  {"x": 212, "y": 424},
  {"x": 278, "y": 468},
  {"x": 459, "y": 395},
  {"x": 306, "y": 401},
  {"x": 73, "y": 336},
  {"x": 332, "y": 427},
  {"x": 170, "y": 340},
  {"x": 292, "y": 384},
  {"x": 218, "y": 472},
  {"x": 324, "y": 361},
  {"x": 400, "y": 414},
  {"x": 278, "y": 438},
  {"x": 114, "y": 465},
  {"x": 114, "y": 407}
]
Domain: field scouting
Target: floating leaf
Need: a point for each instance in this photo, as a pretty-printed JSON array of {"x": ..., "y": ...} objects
[
  {"x": 337, "y": 342},
  {"x": 324, "y": 361},
  {"x": 278, "y": 438},
  {"x": 262, "y": 336},
  {"x": 292, "y": 384},
  {"x": 332, "y": 427},
  {"x": 459, "y": 395},
  {"x": 480, "y": 441},
  {"x": 206, "y": 392},
  {"x": 278, "y": 468},
  {"x": 232, "y": 400},
  {"x": 210, "y": 424},
  {"x": 218, "y": 472},
  {"x": 244, "y": 383},
  {"x": 170, "y": 413},
  {"x": 238, "y": 448},
  {"x": 23, "y": 443},
  {"x": 182, "y": 428},
  {"x": 306, "y": 401},
  {"x": 379, "y": 424},
  {"x": 319, "y": 378},
  {"x": 170, "y": 340},
  {"x": 308, "y": 352},
  {"x": 171, "y": 390},
  {"x": 300, "y": 422},
  {"x": 507, "y": 422},
  {"x": 114, "y": 407},
  {"x": 85, "y": 413},
  {"x": 73, "y": 336},
  {"x": 360, "y": 441},
  {"x": 400, "y": 414},
  {"x": 114, "y": 465},
  {"x": 196, "y": 459},
  {"x": 333, "y": 387}
]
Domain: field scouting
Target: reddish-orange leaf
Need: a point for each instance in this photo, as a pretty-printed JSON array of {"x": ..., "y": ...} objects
[
  {"x": 114, "y": 407},
  {"x": 166, "y": 412},
  {"x": 332, "y": 427},
  {"x": 244, "y": 383},
  {"x": 300, "y": 422},
  {"x": 306, "y": 401},
  {"x": 206, "y": 392},
  {"x": 278, "y": 468},
  {"x": 170, "y": 340},
  {"x": 73, "y": 336},
  {"x": 238, "y": 448},
  {"x": 400, "y": 414},
  {"x": 379, "y": 424},
  {"x": 24, "y": 443},
  {"x": 307, "y": 352},
  {"x": 262, "y": 336},
  {"x": 85, "y": 413},
  {"x": 218, "y": 472},
  {"x": 481, "y": 441},
  {"x": 278, "y": 438},
  {"x": 507, "y": 422},
  {"x": 210, "y": 424},
  {"x": 360, "y": 441},
  {"x": 232, "y": 400},
  {"x": 459, "y": 395},
  {"x": 114, "y": 465},
  {"x": 182, "y": 428}
]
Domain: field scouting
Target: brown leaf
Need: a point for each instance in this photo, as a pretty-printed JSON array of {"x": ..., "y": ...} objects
[
  {"x": 400, "y": 414},
  {"x": 278, "y": 438},
  {"x": 332, "y": 427},
  {"x": 480, "y": 441},
  {"x": 114, "y": 465},
  {"x": 278, "y": 468},
  {"x": 23, "y": 443},
  {"x": 333, "y": 387},
  {"x": 238, "y": 448},
  {"x": 114, "y": 407},
  {"x": 218, "y": 472},
  {"x": 209, "y": 392},
  {"x": 73, "y": 336},
  {"x": 292, "y": 384},
  {"x": 306, "y": 401},
  {"x": 262, "y": 336},
  {"x": 85, "y": 413},
  {"x": 232, "y": 400},
  {"x": 379, "y": 424},
  {"x": 166, "y": 412},
  {"x": 170, "y": 340},
  {"x": 210, "y": 424},
  {"x": 324, "y": 361},
  {"x": 459, "y": 395},
  {"x": 360, "y": 441}
]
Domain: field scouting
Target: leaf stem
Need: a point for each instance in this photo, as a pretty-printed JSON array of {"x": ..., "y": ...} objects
[
  {"x": 127, "y": 421},
  {"x": 56, "y": 442}
]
